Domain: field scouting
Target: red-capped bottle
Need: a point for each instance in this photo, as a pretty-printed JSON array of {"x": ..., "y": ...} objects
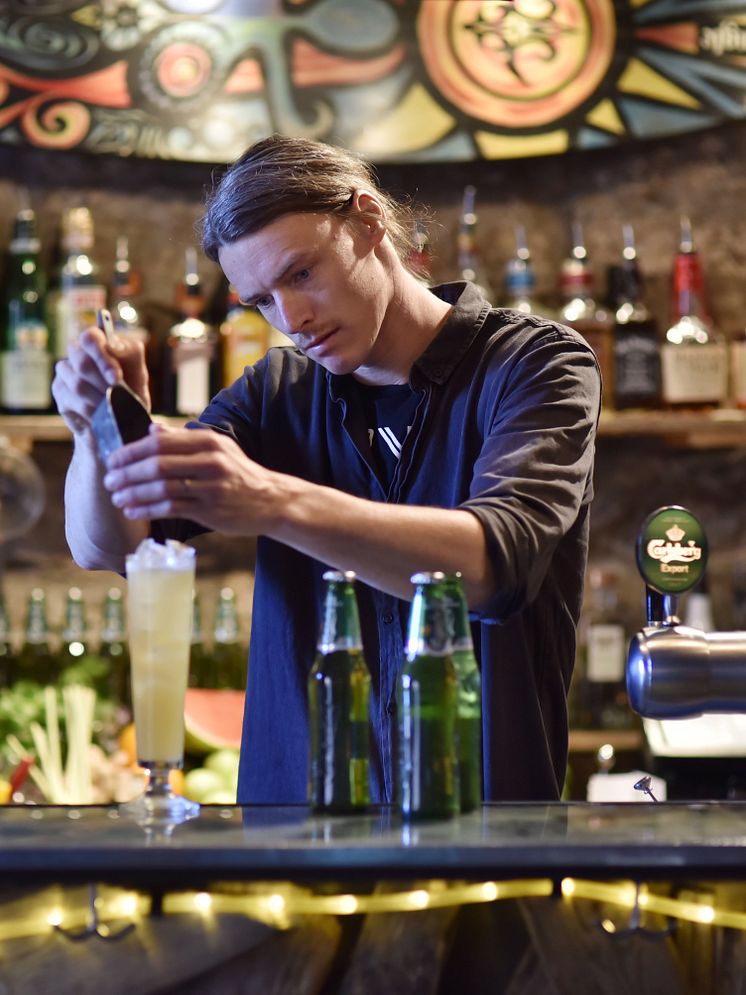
[{"x": 694, "y": 358}]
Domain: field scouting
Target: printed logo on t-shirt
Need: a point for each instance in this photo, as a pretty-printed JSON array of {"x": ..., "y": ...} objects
[{"x": 389, "y": 438}]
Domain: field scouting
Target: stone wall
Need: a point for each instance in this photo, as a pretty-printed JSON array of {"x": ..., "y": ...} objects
[{"x": 649, "y": 185}]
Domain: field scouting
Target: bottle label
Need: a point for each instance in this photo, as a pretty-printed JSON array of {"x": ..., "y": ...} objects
[
  {"x": 76, "y": 311},
  {"x": 26, "y": 372},
  {"x": 192, "y": 368},
  {"x": 694, "y": 374},
  {"x": 246, "y": 341},
  {"x": 738, "y": 373},
  {"x": 636, "y": 366},
  {"x": 606, "y": 653}
]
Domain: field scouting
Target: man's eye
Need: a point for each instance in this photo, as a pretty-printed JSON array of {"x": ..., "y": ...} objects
[
  {"x": 262, "y": 303},
  {"x": 301, "y": 275}
]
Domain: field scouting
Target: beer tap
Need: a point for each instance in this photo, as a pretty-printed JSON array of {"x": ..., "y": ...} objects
[{"x": 673, "y": 670}]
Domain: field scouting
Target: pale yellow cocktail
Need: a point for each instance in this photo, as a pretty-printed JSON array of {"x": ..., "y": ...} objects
[
  {"x": 160, "y": 582},
  {"x": 160, "y": 626}
]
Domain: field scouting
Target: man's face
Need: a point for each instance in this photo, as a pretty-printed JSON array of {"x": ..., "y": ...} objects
[{"x": 317, "y": 280}]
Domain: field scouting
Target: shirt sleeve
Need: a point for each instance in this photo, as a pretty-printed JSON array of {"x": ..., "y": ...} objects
[{"x": 534, "y": 472}]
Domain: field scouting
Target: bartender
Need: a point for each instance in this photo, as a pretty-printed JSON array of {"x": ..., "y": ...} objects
[{"x": 406, "y": 428}]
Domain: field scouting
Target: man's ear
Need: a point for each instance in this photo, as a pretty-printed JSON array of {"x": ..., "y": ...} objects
[{"x": 371, "y": 213}]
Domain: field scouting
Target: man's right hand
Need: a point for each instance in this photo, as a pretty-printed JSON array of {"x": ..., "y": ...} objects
[{"x": 93, "y": 364}]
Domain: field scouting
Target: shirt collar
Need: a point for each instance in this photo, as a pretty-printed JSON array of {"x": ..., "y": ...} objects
[{"x": 468, "y": 312}]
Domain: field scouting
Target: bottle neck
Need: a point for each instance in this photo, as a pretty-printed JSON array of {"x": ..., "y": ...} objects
[
  {"x": 428, "y": 632},
  {"x": 341, "y": 624}
]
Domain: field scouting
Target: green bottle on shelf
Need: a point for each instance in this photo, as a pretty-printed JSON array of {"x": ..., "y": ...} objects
[
  {"x": 26, "y": 356},
  {"x": 469, "y": 724},
  {"x": 114, "y": 649},
  {"x": 338, "y": 696},
  {"x": 229, "y": 653},
  {"x": 200, "y": 663},
  {"x": 7, "y": 657},
  {"x": 36, "y": 660},
  {"x": 427, "y": 705}
]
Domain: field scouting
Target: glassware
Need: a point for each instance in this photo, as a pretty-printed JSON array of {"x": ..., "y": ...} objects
[{"x": 160, "y": 579}]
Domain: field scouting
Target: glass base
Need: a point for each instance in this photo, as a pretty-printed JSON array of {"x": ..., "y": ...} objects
[{"x": 159, "y": 805}]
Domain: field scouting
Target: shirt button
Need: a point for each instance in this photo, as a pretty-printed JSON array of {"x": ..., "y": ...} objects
[{"x": 388, "y": 618}]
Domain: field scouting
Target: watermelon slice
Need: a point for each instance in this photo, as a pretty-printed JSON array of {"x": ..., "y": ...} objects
[{"x": 213, "y": 720}]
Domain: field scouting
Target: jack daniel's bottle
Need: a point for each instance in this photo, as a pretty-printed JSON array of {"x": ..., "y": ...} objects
[
  {"x": 694, "y": 359},
  {"x": 637, "y": 365}
]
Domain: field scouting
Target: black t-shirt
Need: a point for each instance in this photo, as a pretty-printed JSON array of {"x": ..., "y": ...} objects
[{"x": 388, "y": 411}]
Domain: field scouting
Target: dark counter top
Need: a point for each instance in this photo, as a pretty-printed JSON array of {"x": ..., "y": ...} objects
[{"x": 664, "y": 841}]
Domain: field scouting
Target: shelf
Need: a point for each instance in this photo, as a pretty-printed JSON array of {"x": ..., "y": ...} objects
[
  {"x": 591, "y": 740},
  {"x": 694, "y": 429},
  {"x": 24, "y": 430},
  {"x": 721, "y": 427}
]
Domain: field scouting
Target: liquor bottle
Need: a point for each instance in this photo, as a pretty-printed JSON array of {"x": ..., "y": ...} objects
[
  {"x": 114, "y": 650},
  {"x": 420, "y": 256},
  {"x": 36, "y": 660},
  {"x": 338, "y": 694},
  {"x": 26, "y": 360},
  {"x": 598, "y": 697},
  {"x": 124, "y": 291},
  {"x": 190, "y": 370},
  {"x": 74, "y": 644},
  {"x": 520, "y": 280},
  {"x": 81, "y": 292},
  {"x": 694, "y": 359},
  {"x": 7, "y": 656},
  {"x": 637, "y": 361},
  {"x": 470, "y": 263},
  {"x": 229, "y": 654},
  {"x": 427, "y": 705},
  {"x": 469, "y": 723},
  {"x": 200, "y": 662},
  {"x": 581, "y": 311},
  {"x": 245, "y": 337}
]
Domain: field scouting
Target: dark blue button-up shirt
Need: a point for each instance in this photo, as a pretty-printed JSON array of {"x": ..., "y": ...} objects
[{"x": 504, "y": 427}]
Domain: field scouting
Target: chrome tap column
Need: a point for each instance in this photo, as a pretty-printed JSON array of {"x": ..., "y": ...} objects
[{"x": 674, "y": 671}]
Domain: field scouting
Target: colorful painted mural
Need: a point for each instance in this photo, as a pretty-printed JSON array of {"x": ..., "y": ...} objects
[{"x": 397, "y": 80}]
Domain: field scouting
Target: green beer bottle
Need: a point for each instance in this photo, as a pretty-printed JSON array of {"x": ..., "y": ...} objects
[
  {"x": 200, "y": 664},
  {"x": 7, "y": 657},
  {"x": 229, "y": 654},
  {"x": 36, "y": 661},
  {"x": 338, "y": 692},
  {"x": 427, "y": 704},
  {"x": 113, "y": 648},
  {"x": 469, "y": 696}
]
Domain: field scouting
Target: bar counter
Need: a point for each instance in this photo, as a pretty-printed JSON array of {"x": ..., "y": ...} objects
[
  {"x": 517, "y": 898},
  {"x": 649, "y": 840}
]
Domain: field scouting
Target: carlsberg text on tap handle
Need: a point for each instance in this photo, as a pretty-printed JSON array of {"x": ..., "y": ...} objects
[{"x": 672, "y": 550}]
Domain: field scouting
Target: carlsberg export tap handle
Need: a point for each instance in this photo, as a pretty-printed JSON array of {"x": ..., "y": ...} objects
[{"x": 671, "y": 551}]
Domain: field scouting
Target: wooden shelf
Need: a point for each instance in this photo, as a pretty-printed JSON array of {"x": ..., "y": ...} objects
[
  {"x": 24, "y": 430},
  {"x": 722, "y": 427},
  {"x": 700, "y": 430},
  {"x": 591, "y": 740}
]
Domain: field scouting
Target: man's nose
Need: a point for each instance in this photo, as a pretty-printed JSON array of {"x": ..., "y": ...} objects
[{"x": 294, "y": 311}]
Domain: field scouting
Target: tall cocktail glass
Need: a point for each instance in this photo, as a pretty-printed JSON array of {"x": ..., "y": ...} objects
[{"x": 160, "y": 581}]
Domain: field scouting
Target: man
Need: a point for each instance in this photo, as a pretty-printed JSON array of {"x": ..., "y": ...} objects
[{"x": 407, "y": 430}]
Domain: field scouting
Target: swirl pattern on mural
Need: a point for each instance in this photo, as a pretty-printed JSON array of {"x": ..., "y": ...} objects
[{"x": 392, "y": 79}]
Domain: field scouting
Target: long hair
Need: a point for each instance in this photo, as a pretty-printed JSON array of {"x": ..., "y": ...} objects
[{"x": 281, "y": 175}]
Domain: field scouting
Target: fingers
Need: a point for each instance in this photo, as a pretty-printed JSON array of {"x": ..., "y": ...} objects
[{"x": 163, "y": 442}]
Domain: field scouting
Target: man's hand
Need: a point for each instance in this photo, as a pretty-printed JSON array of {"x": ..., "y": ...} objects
[
  {"x": 188, "y": 473},
  {"x": 92, "y": 365}
]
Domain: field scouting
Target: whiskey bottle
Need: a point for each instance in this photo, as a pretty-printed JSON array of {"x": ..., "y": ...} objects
[
  {"x": 26, "y": 358},
  {"x": 581, "y": 311},
  {"x": 245, "y": 337},
  {"x": 190, "y": 370},
  {"x": 81, "y": 292},
  {"x": 637, "y": 364},
  {"x": 694, "y": 359}
]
